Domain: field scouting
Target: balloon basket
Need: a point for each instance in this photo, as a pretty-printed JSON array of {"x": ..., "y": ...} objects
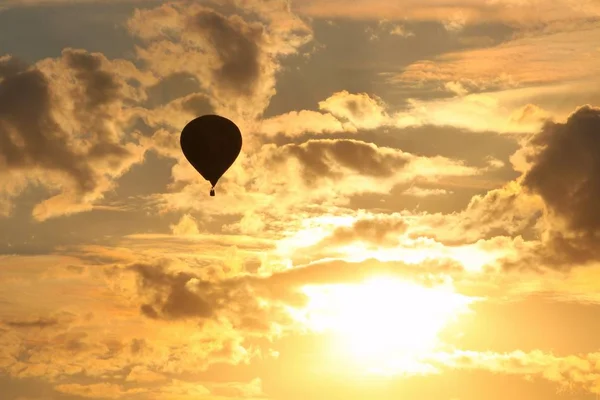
[{"x": 212, "y": 192}]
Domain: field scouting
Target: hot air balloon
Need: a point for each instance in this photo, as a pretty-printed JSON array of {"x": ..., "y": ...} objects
[{"x": 211, "y": 143}]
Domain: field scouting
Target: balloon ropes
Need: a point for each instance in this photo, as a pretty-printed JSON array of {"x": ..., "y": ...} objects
[{"x": 211, "y": 143}]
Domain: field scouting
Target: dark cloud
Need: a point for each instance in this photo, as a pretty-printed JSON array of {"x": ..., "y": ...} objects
[
  {"x": 377, "y": 231},
  {"x": 323, "y": 158},
  {"x": 29, "y": 134},
  {"x": 474, "y": 148},
  {"x": 10, "y": 66},
  {"x": 101, "y": 87},
  {"x": 197, "y": 104},
  {"x": 238, "y": 47},
  {"x": 565, "y": 169},
  {"x": 339, "y": 271},
  {"x": 173, "y": 297},
  {"x": 37, "y": 323},
  {"x": 558, "y": 250},
  {"x": 72, "y": 342},
  {"x": 137, "y": 346},
  {"x": 62, "y": 117},
  {"x": 179, "y": 295}
]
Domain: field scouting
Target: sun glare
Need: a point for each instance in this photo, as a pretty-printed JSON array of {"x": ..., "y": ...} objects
[{"x": 384, "y": 325}]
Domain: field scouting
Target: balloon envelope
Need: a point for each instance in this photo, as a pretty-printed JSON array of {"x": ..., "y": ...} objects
[{"x": 211, "y": 143}]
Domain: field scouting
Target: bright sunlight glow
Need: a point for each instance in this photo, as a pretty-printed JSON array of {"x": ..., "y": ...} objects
[{"x": 385, "y": 325}]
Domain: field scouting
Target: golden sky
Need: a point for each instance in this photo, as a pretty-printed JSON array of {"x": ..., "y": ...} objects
[{"x": 414, "y": 213}]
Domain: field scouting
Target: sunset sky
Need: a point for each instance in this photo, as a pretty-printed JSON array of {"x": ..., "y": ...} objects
[{"x": 414, "y": 213}]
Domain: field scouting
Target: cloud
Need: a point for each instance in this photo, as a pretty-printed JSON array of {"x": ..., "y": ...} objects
[
  {"x": 429, "y": 273},
  {"x": 179, "y": 302},
  {"x": 507, "y": 111},
  {"x": 530, "y": 59},
  {"x": 471, "y": 10},
  {"x": 38, "y": 323},
  {"x": 560, "y": 165},
  {"x": 141, "y": 374},
  {"x": 255, "y": 303},
  {"x": 377, "y": 231},
  {"x": 25, "y": 105},
  {"x": 324, "y": 173},
  {"x": 298, "y": 123},
  {"x": 322, "y": 159},
  {"x": 341, "y": 112},
  {"x": 478, "y": 112},
  {"x": 244, "y": 390},
  {"x": 503, "y": 211},
  {"x": 98, "y": 390},
  {"x": 237, "y": 45},
  {"x": 233, "y": 59},
  {"x": 554, "y": 198},
  {"x": 179, "y": 295},
  {"x": 530, "y": 113},
  {"x": 81, "y": 344},
  {"x": 455, "y": 21},
  {"x": 414, "y": 238},
  {"x": 187, "y": 226},
  {"x": 100, "y": 87},
  {"x": 328, "y": 159},
  {"x": 568, "y": 371},
  {"x": 565, "y": 169},
  {"x": 422, "y": 192},
  {"x": 362, "y": 110},
  {"x": 62, "y": 121},
  {"x": 454, "y": 15},
  {"x": 456, "y": 87},
  {"x": 399, "y": 30},
  {"x": 176, "y": 113}
]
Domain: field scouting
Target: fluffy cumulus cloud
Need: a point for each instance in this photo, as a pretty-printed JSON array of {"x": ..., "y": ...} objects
[
  {"x": 376, "y": 230},
  {"x": 342, "y": 112},
  {"x": 504, "y": 211},
  {"x": 62, "y": 126},
  {"x": 327, "y": 158},
  {"x": 233, "y": 59},
  {"x": 71, "y": 338},
  {"x": 324, "y": 172},
  {"x": 171, "y": 319},
  {"x": 338, "y": 160},
  {"x": 298, "y": 123},
  {"x": 69, "y": 123},
  {"x": 561, "y": 166},
  {"x": 361, "y": 110},
  {"x": 554, "y": 197},
  {"x": 564, "y": 169},
  {"x": 258, "y": 303}
]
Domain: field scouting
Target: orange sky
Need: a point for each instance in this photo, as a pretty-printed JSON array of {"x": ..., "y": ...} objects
[{"x": 413, "y": 214}]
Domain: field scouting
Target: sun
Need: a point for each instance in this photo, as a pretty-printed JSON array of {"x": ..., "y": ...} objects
[{"x": 384, "y": 325}]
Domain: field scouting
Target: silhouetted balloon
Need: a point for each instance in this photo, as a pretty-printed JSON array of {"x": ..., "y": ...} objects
[{"x": 211, "y": 143}]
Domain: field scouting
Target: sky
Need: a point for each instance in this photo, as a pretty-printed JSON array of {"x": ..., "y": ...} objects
[{"x": 413, "y": 213}]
